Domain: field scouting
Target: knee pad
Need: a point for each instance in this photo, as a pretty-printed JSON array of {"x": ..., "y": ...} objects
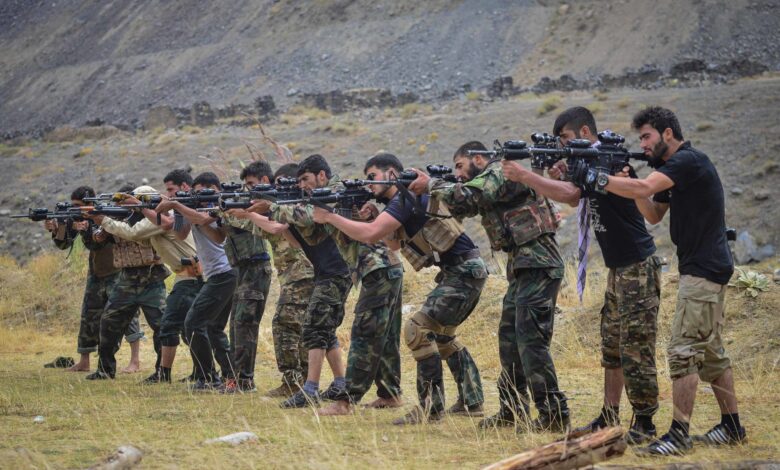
[
  {"x": 417, "y": 338},
  {"x": 449, "y": 348}
]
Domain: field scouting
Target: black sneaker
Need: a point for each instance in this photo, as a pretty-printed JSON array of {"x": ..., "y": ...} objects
[
  {"x": 721, "y": 436},
  {"x": 504, "y": 417},
  {"x": 202, "y": 385},
  {"x": 332, "y": 393},
  {"x": 301, "y": 399},
  {"x": 61, "y": 362},
  {"x": 640, "y": 433},
  {"x": 98, "y": 375},
  {"x": 155, "y": 378},
  {"x": 666, "y": 445}
]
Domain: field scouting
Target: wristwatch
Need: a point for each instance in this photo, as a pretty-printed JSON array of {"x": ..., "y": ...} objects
[{"x": 601, "y": 181}]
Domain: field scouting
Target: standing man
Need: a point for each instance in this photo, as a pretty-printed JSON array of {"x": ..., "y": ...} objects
[
  {"x": 172, "y": 251},
  {"x": 630, "y": 311},
  {"x": 204, "y": 325},
  {"x": 101, "y": 278},
  {"x": 427, "y": 236},
  {"x": 521, "y": 223},
  {"x": 686, "y": 184},
  {"x": 296, "y": 284},
  {"x": 332, "y": 283}
]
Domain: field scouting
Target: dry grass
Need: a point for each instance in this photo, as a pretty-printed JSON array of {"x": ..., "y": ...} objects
[
  {"x": 548, "y": 104},
  {"x": 85, "y": 421}
]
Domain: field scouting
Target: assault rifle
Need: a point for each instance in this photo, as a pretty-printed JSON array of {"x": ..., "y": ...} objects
[
  {"x": 610, "y": 155},
  {"x": 284, "y": 189},
  {"x": 408, "y": 176},
  {"x": 65, "y": 211},
  {"x": 353, "y": 195}
]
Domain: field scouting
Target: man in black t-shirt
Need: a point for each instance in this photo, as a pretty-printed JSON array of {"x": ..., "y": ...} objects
[
  {"x": 430, "y": 333},
  {"x": 691, "y": 189},
  {"x": 629, "y": 314}
]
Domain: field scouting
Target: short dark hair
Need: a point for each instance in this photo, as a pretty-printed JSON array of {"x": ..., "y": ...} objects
[
  {"x": 178, "y": 177},
  {"x": 258, "y": 169},
  {"x": 659, "y": 119},
  {"x": 384, "y": 161},
  {"x": 463, "y": 150},
  {"x": 206, "y": 178},
  {"x": 81, "y": 192},
  {"x": 126, "y": 188},
  {"x": 288, "y": 170},
  {"x": 574, "y": 118},
  {"x": 314, "y": 164}
]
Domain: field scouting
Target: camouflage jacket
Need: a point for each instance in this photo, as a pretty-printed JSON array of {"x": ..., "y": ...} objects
[
  {"x": 361, "y": 258},
  {"x": 291, "y": 263},
  {"x": 490, "y": 194},
  {"x": 244, "y": 240}
]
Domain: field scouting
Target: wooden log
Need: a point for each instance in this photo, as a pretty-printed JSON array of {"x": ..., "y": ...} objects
[
  {"x": 738, "y": 465},
  {"x": 569, "y": 454}
]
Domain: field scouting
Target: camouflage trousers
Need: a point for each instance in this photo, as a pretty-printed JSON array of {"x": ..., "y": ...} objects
[
  {"x": 292, "y": 358},
  {"x": 95, "y": 298},
  {"x": 374, "y": 349},
  {"x": 254, "y": 281},
  {"x": 205, "y": 323},
  {"x": 628, "y": 330},
  {"x": 524, "y": 334},
  {"x": 136, "y": 287},
  {"x": 431, "y": 335},
  {"x": 325, "y": 313}
]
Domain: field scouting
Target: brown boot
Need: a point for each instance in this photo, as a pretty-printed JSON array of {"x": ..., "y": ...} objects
[
  {"x": 380, "y": 403},
  {"x": 417, "y": 416},
  {"x": 460, "y": 409},
  {"x": 282, "y": 391}
]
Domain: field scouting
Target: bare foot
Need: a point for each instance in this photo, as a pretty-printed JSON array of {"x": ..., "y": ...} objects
[
  {"x": 396, "y": 402},
  {"x": 337, "y": 408},
  {"x": 132, "y": 368},
  {"x": 78, "y": 367}
]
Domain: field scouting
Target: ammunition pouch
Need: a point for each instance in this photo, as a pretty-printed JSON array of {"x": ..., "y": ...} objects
[
  {"x": 129, "y": 254},
  {"x": 438, "y": 235}
]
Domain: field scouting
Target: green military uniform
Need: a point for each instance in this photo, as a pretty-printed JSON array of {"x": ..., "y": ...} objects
[
  {"x": 246, "y": 250},
  {"x": 374, "y": 351},
  {"x": 296, "y": 280},
  {"x": 101, "y": 278},
  {"x": 510, "y": 215}
]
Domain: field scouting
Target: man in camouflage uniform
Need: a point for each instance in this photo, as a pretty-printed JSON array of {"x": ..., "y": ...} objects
[
  {"x": 325, "y": 311},
  {"x": 407, "y": 223},
  {"x": 629, "y": 314},
  {"x": 141, "y": 283},
  {"x": 101, "y": 277},
  {"x": 521, "y": 223},
  {"x": 247, "y": 251},
  {"x": 296, "y": 281}
]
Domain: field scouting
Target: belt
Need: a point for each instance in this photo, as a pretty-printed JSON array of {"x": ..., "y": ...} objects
[{"x": 454, "y": 260}]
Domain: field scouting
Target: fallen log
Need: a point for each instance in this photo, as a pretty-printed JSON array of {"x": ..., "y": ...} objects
[
  {"x": 738, "y": 465},
  {"x": 569, "y": 454}
]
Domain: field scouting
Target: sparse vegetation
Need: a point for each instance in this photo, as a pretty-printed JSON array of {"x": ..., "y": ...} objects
[
  {"x": 596, "y": 108},
  {"x": 623, "y": 103},
  {"x": 473, "y": 96},
  {"x": 548, "y": 104},
  {"x": 750, "y": 282},
  {"x": 422, "y": 149},
  {"x": 704, "y": 126},
  {"x": 600, "y": 95},
  {"x": 409, "y": 109}
]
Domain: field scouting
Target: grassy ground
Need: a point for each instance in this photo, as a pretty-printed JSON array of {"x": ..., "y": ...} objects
[{"x": 85, "y": 421}]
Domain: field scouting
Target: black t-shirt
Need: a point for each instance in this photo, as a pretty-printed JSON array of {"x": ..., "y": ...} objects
[
  {"x": 412, "y": 221},
  {"x": 619, "y": 228},
  {"x": 698, "y": 215},
  {"x": 325, "y": 257}
]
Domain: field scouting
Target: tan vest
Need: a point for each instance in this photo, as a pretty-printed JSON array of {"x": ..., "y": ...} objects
[
  {"x": 437, "y": 236},
  {"x": 129, "y": 254}
]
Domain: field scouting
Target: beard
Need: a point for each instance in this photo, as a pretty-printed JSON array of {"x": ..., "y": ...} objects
[
  {"x": 658, "y": 152},
  {"x": 472, "y": 171}
]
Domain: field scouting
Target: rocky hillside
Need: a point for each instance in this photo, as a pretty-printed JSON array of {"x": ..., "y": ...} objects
[{"x": 82, "y": 61}]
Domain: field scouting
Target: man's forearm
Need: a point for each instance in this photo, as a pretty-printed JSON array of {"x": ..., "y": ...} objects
[
  {"x": 360, "y": 231},
  {"x": 652, "y": 211},
  {"x": 561, "y": 191},
  {"x": 630, "y": 188}
]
